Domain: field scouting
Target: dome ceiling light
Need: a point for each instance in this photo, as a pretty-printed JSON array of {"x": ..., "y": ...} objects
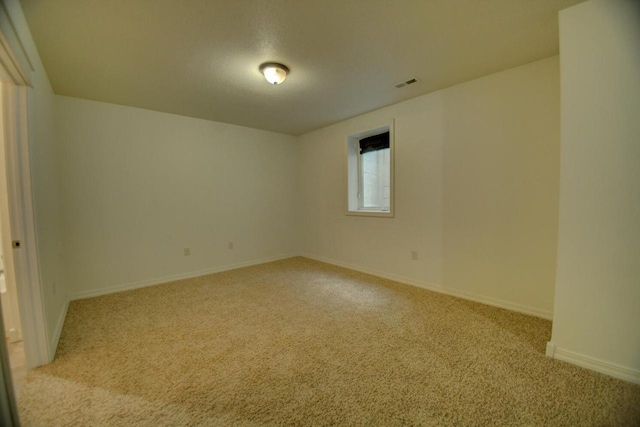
[{"x": 274, "y": 73}]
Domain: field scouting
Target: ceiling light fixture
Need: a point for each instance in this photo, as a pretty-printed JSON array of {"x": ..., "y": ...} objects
[{"x": 274, "y": 73}]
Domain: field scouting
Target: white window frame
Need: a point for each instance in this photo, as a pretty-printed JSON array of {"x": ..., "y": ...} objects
[{"x": 354, "y": 167}]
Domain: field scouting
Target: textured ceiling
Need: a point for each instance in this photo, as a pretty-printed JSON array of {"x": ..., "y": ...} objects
[{"x": 200, "y": 58}]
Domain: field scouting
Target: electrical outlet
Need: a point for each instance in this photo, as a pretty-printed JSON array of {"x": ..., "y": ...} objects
[
  {"x": 414, "y": 255},
  {"x": 187, "y": 251},
  {"x": 230, "y": 245}
]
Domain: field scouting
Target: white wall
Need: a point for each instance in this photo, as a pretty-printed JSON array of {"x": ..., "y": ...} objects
[
  {"x": 140, "y": 186},
  {"x": 597, "y": 320},
  {"x": 45, "y": 170},
  {"x": 476, "y": 188}
]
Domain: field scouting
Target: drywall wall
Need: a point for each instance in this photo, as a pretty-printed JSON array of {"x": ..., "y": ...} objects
[
  {"x": 476, "y": 191},
  {"x": 598, "y": 281},
  {"x": 45, "y": 168},
  {"x": 141, "y": 186}
]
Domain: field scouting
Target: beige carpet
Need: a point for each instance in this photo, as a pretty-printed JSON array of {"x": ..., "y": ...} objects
[{"x": 299, "y": 342}]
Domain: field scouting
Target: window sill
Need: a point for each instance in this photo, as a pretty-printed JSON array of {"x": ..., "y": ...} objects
[{"x": 380, "y": 214}]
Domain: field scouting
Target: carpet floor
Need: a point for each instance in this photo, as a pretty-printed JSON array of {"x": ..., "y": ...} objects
[{"x": 299, "y": 342}]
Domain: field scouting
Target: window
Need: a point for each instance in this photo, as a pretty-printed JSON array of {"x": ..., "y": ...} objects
[{"x": 370, "y": 172}]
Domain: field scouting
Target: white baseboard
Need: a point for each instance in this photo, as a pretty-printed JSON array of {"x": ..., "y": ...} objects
[
  {"x": 532, "y": 311},
  {"x": 551, "y": 349},
  {"x": 55, "y": 338},
  {"x": 159, "y": 280},
  {"x": 397, "y": 278},
  {"x": 608, "y": 368}
]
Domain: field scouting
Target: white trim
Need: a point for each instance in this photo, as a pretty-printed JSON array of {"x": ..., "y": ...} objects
[
  {"x": 598, "y": 365},
  {"x": 532, "y": 311},
  {"x": 19, "y": 192},
  {"x": 364, "y": 212},
  {"x": 22, "y": 225},
  {"x": 10, "y": 64},
  {"x": 551, "y": 349},
  {"x": 160, "y": 280},
  {"x": 353, "y": 175},
  {"x": 55, "y": 338},
  {"x": 19, "y": 36}
]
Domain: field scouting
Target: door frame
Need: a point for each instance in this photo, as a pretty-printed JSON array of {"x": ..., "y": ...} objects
[
  {"x": 15, "y": 95},
  {"x": 14, "y": 98},
  {"x": 22, "y": 224}
]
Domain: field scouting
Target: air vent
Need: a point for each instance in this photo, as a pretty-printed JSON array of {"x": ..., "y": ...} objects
[{"x": 408, "y": 82}]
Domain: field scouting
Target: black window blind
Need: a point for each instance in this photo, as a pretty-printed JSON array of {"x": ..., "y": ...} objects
[{"x": 374, "y": 143}]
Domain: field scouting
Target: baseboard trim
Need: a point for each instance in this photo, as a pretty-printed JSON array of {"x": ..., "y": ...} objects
[
  {"x": 531, "y": 311},
  {"x": 55, "y": 338},
  {"x": 607, "y": 368},
  {"x": 551, "y": 349},
  {"x": 165, "y": 279}
]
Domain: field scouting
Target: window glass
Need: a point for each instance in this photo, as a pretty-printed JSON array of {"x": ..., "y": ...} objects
[{"x": 375, "y": 168}]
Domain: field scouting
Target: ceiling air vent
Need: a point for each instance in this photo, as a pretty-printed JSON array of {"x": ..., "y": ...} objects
[{"x": 408, "y": 82}]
